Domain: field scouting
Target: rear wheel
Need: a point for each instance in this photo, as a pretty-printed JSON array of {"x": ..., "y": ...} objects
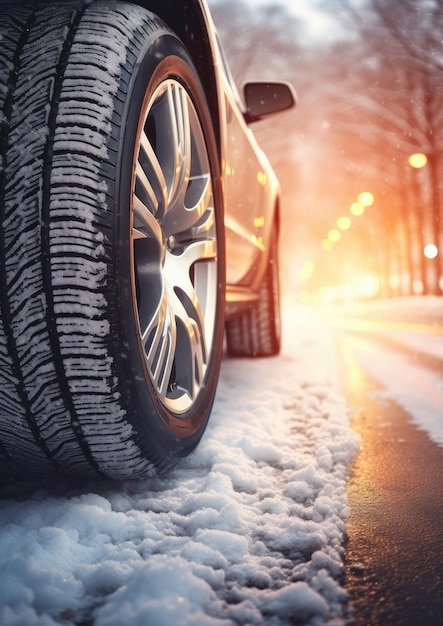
[
  {"x": 257, "y": 331},
  {"x": 111, "y": 243}
]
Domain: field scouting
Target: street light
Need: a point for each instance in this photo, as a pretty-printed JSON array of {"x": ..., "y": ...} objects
[
  {"x": 357, "y": 208},
  {"x": 366, "y": 198},
  {"x": 334, "y": 235},
  {"x": 344, "y": 223},
  {"x": 430, "y": 251},
  {"x": 417, "y": 160}
]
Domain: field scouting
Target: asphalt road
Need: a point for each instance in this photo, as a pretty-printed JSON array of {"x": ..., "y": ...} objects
[{"x": 394, "y": 553}]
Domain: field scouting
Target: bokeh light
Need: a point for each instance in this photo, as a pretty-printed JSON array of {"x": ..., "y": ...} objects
[
  {"x": 334, "y": 235},
  {"x": 357, "y": 209},
  {"x": 366, "y": 198},
  {"x": 307, "y": 270},
  {"x": 430, "y": 251},
  {"x": 344, "y": 223},
  {"x": 417, "y": 160}
]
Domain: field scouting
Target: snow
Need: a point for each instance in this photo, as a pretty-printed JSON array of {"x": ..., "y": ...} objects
[
  {"x": 415, "y": 387},
  {"x": 247, "y": 530},
  {"x": 417, "y": 390}
]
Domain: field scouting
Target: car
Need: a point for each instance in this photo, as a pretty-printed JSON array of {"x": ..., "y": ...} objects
[{"x": 138, "y": 237}]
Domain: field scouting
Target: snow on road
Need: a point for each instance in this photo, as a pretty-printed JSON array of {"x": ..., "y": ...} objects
[
  {"x": 416, "y": 389},
  {"x": 248, "y": 530},
  {"x": 416, "y": 325}
]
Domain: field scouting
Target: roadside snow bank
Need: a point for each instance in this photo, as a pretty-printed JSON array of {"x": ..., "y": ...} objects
[{"x": 248, "y": 530}]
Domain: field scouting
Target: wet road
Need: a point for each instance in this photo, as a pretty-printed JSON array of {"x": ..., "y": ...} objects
[{"x": 394, "y": 554}]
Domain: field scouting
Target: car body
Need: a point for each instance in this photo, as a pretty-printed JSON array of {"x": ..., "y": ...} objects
[
  {"x": 139, "y": 225},
  {"x": 250, "y": 186}
]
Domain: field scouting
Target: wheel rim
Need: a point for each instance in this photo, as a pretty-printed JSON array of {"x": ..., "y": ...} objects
[{"x": 174, "y": 247}]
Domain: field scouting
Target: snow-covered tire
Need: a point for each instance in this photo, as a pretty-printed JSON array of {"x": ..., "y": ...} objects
[
  {"x": 111, "y": 243},
  {"x": 256, "y": 332}
]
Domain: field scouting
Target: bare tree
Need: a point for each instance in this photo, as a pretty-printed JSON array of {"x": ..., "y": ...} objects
[{"x": 403, "y": 103}]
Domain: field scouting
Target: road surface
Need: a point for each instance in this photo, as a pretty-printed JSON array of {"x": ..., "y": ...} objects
[{"x": 394, "y": 553}]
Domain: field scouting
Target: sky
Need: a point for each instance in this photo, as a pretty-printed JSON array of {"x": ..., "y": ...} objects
[
  {"x": 249, "y": 530},
  {"x": 318, "y": 23}
]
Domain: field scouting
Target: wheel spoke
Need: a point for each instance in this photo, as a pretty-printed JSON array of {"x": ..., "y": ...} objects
[
  {"x": 144, "y": 188},
  {"x": 151, "y": 183},
  {"x": 145, "y": 224},
  {"x": 179, "y": 268},
  {"x": 191, "y": 342},
  {"x": 165, "y": 346},
  {"x": 181, "y": 132},
  {"x": 191, "y": 190},
  {"x": 181, "y": 218},
  {"x": 197, "y": 259},
  {"x": 159, "y": 340},
  {"x": 203, "y": 250}
]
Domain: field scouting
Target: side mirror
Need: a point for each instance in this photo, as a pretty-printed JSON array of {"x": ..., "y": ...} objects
[{"x": 264, "y": 99}]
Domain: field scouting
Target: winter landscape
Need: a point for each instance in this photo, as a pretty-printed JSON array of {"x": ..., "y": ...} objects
[{"x": 251, "y": 529}]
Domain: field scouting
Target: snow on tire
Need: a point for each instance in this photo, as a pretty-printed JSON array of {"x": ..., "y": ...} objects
[
  {"x": 95, "y": 329},
  {"x": 257, "y": 331}
]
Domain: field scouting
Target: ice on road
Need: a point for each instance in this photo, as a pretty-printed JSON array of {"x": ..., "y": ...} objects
[{"x": 247, "y": 530}]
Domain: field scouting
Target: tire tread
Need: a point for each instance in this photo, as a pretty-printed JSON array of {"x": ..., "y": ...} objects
[{"x": 59, "y": 390}]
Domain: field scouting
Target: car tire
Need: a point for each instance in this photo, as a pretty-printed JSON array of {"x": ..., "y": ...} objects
[
  {"x": 111, "y": 243},
  {"x": 256, "y": 332}
]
